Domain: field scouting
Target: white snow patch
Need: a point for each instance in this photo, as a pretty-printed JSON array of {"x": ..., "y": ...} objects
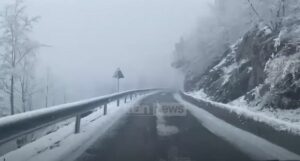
[
  {"x": 227, "y": 70},
  {"x": 162, "y": 128},
  {"x": 265, "y": 29},
  {"x": 230, "y": 68},
  {"x": 199, "y": 94},
  {"x": 250, "y": 69},
  {"x": 64, "y": 144},
  {"x": 234, "y": 46},
  {"x": 221, "y": 63},
  {"x": 166, "y": 130},
  {"x": 256, "y": 147},
  {"x": 278, "y": 67},
  {"x": 226, "y": 78},
  {"x": 277, "y": 41},
  {"x": 229, "y": 56}
]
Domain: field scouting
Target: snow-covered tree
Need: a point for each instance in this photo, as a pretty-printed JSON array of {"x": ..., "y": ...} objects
[
  {"x": 16, "y": 46},
  {"x": 272, "y": 12},
  {"x": 27, "y": 83}
]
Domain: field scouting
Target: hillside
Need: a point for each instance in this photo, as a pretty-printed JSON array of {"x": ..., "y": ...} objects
[{"x": 262, "y": 68}]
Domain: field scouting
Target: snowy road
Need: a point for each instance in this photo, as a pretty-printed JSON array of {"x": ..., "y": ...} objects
[{"x": 151, "y": 138}]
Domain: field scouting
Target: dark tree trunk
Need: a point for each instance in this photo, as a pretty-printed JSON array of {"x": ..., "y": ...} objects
[
  {"x": 12, "y": 106},
  {"x": 23, "y": 102}
]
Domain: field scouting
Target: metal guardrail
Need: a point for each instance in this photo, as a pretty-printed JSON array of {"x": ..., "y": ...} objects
[{"x": 12, "y": 127}]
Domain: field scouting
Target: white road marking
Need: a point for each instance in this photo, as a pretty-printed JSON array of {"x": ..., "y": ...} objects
[{"x": 162, "y": 128}]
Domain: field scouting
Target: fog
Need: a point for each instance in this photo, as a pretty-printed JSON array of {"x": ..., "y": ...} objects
[{"x": 87, "y": 40}]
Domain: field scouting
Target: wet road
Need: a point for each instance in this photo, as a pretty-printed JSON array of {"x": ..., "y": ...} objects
[{"x": 150, "y": 138}]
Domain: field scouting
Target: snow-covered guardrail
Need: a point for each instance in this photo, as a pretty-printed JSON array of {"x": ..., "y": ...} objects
[{"x": 12, "y": 127}]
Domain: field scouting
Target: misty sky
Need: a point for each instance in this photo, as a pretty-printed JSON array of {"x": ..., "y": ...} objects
[{"x": 89, "y": 39}]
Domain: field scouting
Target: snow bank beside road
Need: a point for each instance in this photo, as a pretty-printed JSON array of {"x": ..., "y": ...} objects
[
  {"x": 254, "y": 146},
  {"x": 265, "y": 116}
]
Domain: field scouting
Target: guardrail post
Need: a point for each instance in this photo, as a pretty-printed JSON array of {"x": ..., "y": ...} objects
[
  {"x": 130, "y": 97},
  {"x": 125, "y": 99},
  {"x": 118, "y": 102},
  {"x": 77, "y": 124},
  {"x": 105, "y": 109}
]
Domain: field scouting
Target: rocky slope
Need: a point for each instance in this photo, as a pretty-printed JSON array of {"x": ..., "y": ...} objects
[{"x": 262, "y": 68}]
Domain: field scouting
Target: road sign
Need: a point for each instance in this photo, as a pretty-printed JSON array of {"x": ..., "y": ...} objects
[{"x": 118, "y": 75}]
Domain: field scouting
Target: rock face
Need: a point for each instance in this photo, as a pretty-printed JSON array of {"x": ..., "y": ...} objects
[{"x": 263, "y": 67}]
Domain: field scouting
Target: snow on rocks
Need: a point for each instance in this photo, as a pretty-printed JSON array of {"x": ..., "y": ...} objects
[
  {"x": 278, "y": 67},
  {"x": 229, "y": 63},
  {"x": 265, "y": 29}
]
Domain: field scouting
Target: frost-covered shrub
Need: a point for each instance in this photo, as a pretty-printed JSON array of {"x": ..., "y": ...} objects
[{"x": 279, "y": 67}]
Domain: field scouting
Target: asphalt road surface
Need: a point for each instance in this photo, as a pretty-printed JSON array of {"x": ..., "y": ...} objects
[{"x": 152, "y": 138}]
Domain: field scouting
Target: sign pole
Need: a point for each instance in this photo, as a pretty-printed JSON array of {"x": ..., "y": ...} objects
[
  {"x": 118, "y": 75},
  {"x": 118, "y": 85}
]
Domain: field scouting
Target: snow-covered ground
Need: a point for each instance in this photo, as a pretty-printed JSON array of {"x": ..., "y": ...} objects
[
  {"x": 256, "y": 147},
  {"x": 287, "y": 120},
  {"x": 63, "y": 144}
]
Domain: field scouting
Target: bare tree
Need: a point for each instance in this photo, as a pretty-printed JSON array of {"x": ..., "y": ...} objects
[
  {"x": 270, "y": 12},
  {"x": 254, "y": 10},
  {"x": 16, "y": 44},
  {"x": 28, "y": 87},
  {"x": 47, "y": 87}
]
